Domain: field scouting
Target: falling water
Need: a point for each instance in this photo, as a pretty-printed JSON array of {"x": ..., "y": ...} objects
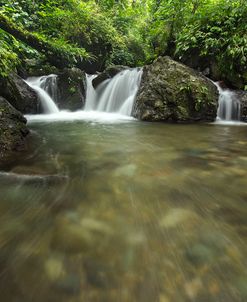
[
  {"x": 49, "y": 84},
  {"x": 44, "y": 86},
  {"x": 229, "y": 105},
  {"x": 116, "y": 94}
]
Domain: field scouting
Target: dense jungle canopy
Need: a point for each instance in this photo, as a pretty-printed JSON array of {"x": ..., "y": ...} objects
[{"x": 94, "y": 34}]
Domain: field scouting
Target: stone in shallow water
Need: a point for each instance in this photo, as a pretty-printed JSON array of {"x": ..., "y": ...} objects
[
  {"x": 54, "y": 268},
  {"x": 241, "y": 285},
  {"x": 200, "y": 254},
  {"x": 70, "y": 284},
  {"x": 179, "y": 217},
  {"x": 94, "y": 225},
  {"x": 70, "y": 236},
  {"x": 193, "y": 287},
  {"x": 210, "y": 248},
  {"x": 126, "y": 170}
]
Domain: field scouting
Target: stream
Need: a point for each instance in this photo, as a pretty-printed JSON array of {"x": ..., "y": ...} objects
[{"x": 109, "y": 209}]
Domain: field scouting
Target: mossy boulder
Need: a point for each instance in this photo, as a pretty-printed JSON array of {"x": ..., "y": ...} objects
[
  {"x": 171, "y": 91},
  {"x": 109, "y": 73},
  {"x": 71, "y": 84},
  {"x": 13, "y": 130},
  {"x": 19, "y": 94},
  {"x": 242, "y": 97}
]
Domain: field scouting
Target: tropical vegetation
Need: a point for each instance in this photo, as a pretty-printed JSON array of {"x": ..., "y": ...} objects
[{"x": 92, "y": 34}]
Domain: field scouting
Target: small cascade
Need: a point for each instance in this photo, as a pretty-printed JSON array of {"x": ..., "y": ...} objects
[
  {"x": 46, "y": 88},
  {"x": 229, "y": 106},
  {"x": 49, "y": 84},
  {"x": 114, "y": 95}
]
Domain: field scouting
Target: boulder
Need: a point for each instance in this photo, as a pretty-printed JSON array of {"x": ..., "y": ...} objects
[
  {"x": 171, "y": 91},
  {"x": 109, "y": 73},
  {"x": 19, "y": 94},
  {"x": 242, "y": 97},
  {"x": 13, "y": 130},
  {"x": 71, "y": 84}
]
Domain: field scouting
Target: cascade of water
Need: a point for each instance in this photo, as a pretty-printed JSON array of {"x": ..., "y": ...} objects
[
  {"x": 229, "y": 106},
  {"x": 116, "y": 94},
  {"x": 49, "y": 84},
  {"x": 44, "y": 86}
]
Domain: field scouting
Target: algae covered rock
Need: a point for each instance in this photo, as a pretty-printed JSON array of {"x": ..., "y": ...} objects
[
  {"x": 19, "y": 94},
  {"x": 13, "y": 130},
  {"x": 171, "y": 91},
  {"x": 71, "y": 89}
]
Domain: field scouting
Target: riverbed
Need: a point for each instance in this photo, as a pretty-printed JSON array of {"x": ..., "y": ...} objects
[{"x": 116, "y": 210}]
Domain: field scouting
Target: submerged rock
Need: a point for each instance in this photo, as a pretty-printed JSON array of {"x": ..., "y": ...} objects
[
  {"x": 179, "y": 217},
  {"x": 171, "y": 91},
  {"x": 109, "y": 73},
  {"x": 19, "y": 94},
  {"x": 70, "y": 236},
  {"x": 13, "y": 130},
  {"x": 71, "y": 89}
]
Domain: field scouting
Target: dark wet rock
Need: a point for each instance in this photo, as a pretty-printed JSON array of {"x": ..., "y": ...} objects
[
  {"x": 70, "y": 236},
  {"x": 200, "y": 254},
  {"x": 19, "y": 94},
  {"x": 208, "y": 250},
  {"x": 13, "y": 130},
  {"x": 71, "y": 84},
  {"x": 109, "y": 73},
  {"x": 36, "y": 68},
  {"x": 171, "y": 91},
  {"x": 242, "y": 97},
  {"x": 69, "y": 284},
  {"x": 99, "y": 274}
]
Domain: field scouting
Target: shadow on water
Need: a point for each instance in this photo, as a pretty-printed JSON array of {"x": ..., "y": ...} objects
[{"x": 125, "y": 212}]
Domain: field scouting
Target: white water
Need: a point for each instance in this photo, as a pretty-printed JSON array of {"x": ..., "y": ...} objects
[
  {"x": 43, "y": 85},
  {"x": 88, "y": 116},
  {"x": 228, "y": 107},
  {"x": 114, "y": 95}
]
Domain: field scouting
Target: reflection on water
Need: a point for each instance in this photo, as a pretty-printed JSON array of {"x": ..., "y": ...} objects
[{"x": 126, "y": 212}]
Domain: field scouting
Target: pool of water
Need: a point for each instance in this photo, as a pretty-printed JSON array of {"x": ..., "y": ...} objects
[{"x": 125, "y": 211}]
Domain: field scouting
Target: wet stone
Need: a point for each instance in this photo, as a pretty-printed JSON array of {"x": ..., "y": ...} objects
[
  {"x": 241, "y": 285},
  {"x": 209, "y": 250},
  {"x": 70, "y": 236},
  {"x": 199, "y": 254},
  {"x": 179, "y": 217},
  {"x": 69, "y": 284}
]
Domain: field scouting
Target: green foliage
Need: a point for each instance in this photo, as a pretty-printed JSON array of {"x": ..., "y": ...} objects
[
  {"x": 130, "y": 32},
  {"x": 8, "y": 53},
  {"x": 217, "y": 30}
]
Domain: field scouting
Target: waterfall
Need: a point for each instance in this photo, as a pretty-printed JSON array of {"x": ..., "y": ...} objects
[
  {"x": 229, "y": 105},
  {"x": 116, "y": 94},
  {"x": 46, "y": 88}
]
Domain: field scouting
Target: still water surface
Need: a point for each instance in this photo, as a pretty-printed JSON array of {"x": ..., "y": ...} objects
[{"x": 126, "y": 212}]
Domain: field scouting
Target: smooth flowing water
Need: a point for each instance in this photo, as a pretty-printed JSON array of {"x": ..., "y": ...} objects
[
  {"x": 46, "y": 88},
  {"x": 106, "y": 211},
  {"x": 229, "y": 105},
  {"x": 116, "y": 94}
]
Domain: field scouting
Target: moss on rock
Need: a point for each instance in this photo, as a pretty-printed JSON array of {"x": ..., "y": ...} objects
[
  {"x": 13, "y": 130},
  {"x": 71, "y": 89},
  {"x": 171, "y": 91}
]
